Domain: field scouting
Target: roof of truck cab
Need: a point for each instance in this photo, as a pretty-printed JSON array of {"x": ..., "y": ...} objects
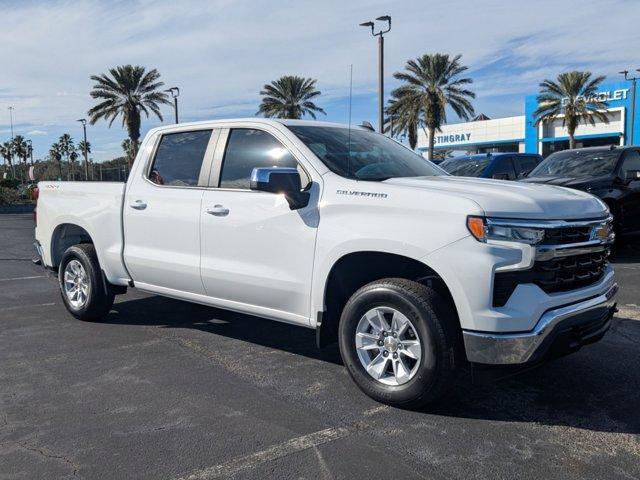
[{"x": 264, "y": 121}]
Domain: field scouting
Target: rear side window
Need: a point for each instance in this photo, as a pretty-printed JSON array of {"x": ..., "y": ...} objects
[
  {"x": 527, "y": 164},
  {"x": 503, "y": 169},
  {"x": 248, "y": 149},
  {"x": 631, "y": 161},
  {"x": 179, "y": 158}
]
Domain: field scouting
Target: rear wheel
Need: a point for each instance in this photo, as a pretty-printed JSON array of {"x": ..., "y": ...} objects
[
  {"x": 398, "y": 341},
  {"x": 83, "y": 291}
]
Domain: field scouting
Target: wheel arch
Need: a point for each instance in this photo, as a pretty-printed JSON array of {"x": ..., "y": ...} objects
[
  {"x": 64, "y": 236},
  {"x": 354, "y": 270}
]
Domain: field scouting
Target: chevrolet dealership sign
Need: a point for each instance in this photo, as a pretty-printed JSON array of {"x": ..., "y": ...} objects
[{"x": 606, "y": 96}]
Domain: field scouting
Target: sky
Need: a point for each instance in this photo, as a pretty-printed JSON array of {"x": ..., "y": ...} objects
[{"x": 221, "y": 53}]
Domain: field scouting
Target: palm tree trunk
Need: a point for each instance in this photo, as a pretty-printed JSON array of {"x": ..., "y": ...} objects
[
  {"x": 572, "y": 140},
  {"x": 432, "y": 132}
]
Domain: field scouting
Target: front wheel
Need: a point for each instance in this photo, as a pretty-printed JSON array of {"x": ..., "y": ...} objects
[
  {"x": 398, "y": 340},
  {"x": 81, "y": 286}
]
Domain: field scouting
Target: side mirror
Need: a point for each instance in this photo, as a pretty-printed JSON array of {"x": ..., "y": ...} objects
[
  {"x": 280, "y": 180},
  {"x": 631, "y": 176}
]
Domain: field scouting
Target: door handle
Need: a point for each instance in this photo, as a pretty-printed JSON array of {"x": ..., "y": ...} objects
[
  {"x": 218, "y": 211},
  {"x": 138, "y": 205}
]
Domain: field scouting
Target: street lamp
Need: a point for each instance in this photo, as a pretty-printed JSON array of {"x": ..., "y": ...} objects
[
  {"x": 633, "y": 100},
  {"x": 83, "y": 121},
  {"x": 175, "y": 93},
  {"x": 379, "y": 34},
  {"x": 13, "y": 167}
]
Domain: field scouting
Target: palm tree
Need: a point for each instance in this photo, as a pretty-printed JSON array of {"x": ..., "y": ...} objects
[
  {"x": 289, "y": 97},
  {"x": 21, "y": 150},
  {"x": 126, "y": 91},
  {"x": 67, "y": 148},
  {"x": 6, "y": 152},
  {"x": 574, "y": 97},
  {"x": 431, "y": 83},
  {"x": 55, "y": 154},
  {"x": 404, "y": 118},
  {"x": 82, "y": 146}
]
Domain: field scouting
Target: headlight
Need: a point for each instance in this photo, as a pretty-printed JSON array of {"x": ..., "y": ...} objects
[{"x": 484, "y": 229}]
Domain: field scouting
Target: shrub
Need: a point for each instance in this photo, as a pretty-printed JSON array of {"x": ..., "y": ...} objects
[
  {"x": 9, "y": 183},
  {"x": 8, "y": 195}
]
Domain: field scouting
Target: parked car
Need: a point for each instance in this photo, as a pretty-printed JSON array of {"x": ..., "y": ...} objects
[
  {"x": 502, "y": 166},
  {"x": 344, "y": 231},
  {"x": 610, "y": 173}
]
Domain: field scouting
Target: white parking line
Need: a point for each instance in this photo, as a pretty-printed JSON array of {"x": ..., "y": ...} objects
[
  {"x": 21, "y": 278},
  {"x": 311, "y": 440}
]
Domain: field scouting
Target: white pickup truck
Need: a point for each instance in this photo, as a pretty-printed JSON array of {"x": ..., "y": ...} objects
[{"x": 343, "y": 230}]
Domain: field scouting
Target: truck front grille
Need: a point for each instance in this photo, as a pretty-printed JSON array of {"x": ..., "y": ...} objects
[
  {"x": 556, "y": 275},
  {"x": 564, "y": 235}
]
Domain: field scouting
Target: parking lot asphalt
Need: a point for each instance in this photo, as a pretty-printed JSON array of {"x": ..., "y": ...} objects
[{"x": 167, "y": 389}]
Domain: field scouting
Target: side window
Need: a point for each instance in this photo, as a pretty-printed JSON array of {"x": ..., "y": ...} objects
[
  {"x": 526, "y": 165},
  {"x": 179, "y": 158},
  {"x": 248, "y": 149},
  {"x": 631, "y": 161},
  {"x": 503, "y": 169}
]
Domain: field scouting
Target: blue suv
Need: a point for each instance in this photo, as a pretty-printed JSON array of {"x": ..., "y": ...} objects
[{"x": 503, "y": 166}]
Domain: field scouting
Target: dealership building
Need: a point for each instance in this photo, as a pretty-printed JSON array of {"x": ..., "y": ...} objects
[{"x": 519, "y": 134}]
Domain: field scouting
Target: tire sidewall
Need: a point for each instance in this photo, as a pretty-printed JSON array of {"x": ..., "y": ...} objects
[
  {"x": 93, "y": 277},
  {"x": 425, "y": 327}
]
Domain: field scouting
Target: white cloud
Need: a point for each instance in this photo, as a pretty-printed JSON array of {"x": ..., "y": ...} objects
[
  {"x": 36, "y": 133},
  {"x": 221, "y": 53}
]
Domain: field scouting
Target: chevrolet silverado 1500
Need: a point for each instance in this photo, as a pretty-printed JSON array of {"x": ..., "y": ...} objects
[{"x": 343, "y": 230}]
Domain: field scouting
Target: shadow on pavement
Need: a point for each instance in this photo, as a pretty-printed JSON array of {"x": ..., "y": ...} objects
[{"x": 594, "y": 389}]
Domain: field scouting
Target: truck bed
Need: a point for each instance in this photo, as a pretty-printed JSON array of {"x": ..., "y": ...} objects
[{"x": 96, "y": 208}]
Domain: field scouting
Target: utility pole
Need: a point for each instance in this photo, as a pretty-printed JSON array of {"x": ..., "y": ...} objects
[
  {"x": 175, "y": 93},
  {"x": 379, "y": 34},
  {"x": 83, "y": 121},
  {"x": 633, "y": 102},
  {"x": 13, "y": 167}
]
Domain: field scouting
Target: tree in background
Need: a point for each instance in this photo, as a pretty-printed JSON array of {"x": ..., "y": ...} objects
[
  {"x": 289, "y": 97},
  {"x": 55, "y": 155},
  {"x": 404, "y": 119},
  {"x": 66, "y": 148},
  {"x": 21, "y": 150},
  {"x": 127, "y": 91},
  {"x": 6, "y": 152},
  {"x": 430, "y": 84},
  {"x": 572, "y": 96}
]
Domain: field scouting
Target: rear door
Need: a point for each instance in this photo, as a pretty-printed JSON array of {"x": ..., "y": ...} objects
[
  {"x": 162, "y": 213},
  {"x": 257, "y": 253}
]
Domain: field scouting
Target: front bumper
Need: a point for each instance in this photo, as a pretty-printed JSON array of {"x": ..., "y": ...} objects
[{"x": 561, "y": 329}]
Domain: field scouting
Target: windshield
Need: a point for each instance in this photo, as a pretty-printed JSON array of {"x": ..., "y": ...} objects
[
  {"x": 577, "y": 163},
  {"x": 465, "y": 167},
  {"x": 363, "y": 155}
]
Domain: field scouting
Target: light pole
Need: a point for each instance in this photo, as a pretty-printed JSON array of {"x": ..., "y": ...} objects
[
  {"x": 175, "y": 93},
  {"x": 13, "y": 167},
  {"x": 379, "y": 34},
  {"x": 83, "y": 121},
  {"x": 633, "y": 100}
]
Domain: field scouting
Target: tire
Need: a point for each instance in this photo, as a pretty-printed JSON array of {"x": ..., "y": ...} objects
[
  {"x": 91, "y": 302},
  {"x": 433, "y": 322}
]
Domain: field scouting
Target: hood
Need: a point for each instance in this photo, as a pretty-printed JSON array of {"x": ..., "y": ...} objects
[
  {"x": 573, "y": 182},
  {"x": 506, "y": 199}
]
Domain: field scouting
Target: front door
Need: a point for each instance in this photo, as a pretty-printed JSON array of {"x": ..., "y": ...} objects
[
  {"x": 162, "y": 214},
  {"x": 257, "y": 254}
]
